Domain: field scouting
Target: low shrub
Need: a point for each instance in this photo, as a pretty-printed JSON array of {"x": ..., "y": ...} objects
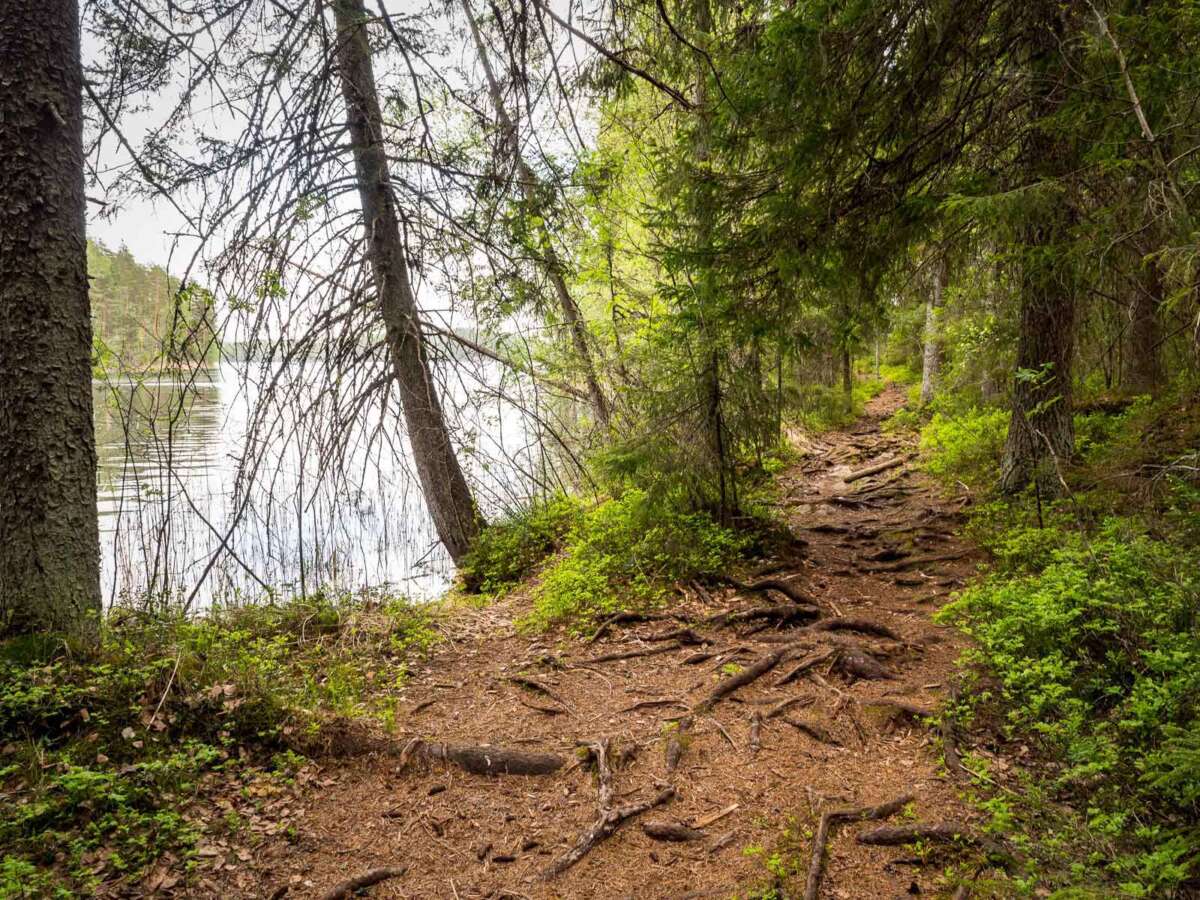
[
  {"x": 966, "y": 446},
  {"x": 508, "y": 551},
  {"x": 1093, "y": 640},
  {"x": 627, "y": 552}
]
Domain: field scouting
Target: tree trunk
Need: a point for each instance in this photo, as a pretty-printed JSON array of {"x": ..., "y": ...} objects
[
  {"x": 933, "y": 307},
  {"x": 49, "y": 544},
  {"x": 1145, "y": 374},
  {"x": 847, "y": 379},
  {"x": 1041, "y": 433},
  {"x": 445, "y": 488},
  {"x": 529, "y": 183}
]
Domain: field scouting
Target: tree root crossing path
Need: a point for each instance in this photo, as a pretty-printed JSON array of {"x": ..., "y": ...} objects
[{"x": 774, "y": 731}]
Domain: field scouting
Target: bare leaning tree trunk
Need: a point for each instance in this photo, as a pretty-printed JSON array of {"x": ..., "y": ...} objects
[
  {"x": 933, "y": 307},
  {"x": 445, "y": 488},
  {"x": 49, "y": 546},
  {"x": 553, "y": 265}
]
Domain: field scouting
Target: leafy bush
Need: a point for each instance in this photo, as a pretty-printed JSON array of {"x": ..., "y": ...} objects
[
  {"x": 965, "y": 446},
  {"x": 1093, "y": 640},
  {"x": 627, "y": 552},
  {"x": 509, "y": 550}
]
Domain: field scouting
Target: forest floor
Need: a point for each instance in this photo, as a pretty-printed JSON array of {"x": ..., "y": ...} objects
[{"x": 696, "y": 729}]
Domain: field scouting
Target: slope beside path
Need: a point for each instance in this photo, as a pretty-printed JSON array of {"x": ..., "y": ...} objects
[{"x": 690, "y": 755}]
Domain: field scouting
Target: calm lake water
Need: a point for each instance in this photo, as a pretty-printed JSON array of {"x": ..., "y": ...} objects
[{"x": 173, "y": 523}]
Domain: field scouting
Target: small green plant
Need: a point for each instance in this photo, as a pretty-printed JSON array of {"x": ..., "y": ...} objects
[
  {"x": 509, "y": 550},
  {"x": 627, "y": 552},
  {"x": 965, "y": 446}
]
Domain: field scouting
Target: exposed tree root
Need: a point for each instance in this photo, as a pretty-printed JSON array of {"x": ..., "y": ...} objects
[
  {"x": 755, "y": 741},
  {"x": 816, "y": 732},
  {"x": 648, "y": 704},
  {"x": 351, "y": 886},
  {"x": 608, "y": 817},
  {"x": 813, "y": 659},
  {"x": 683, "y": 635},
  {"x": 769, "y": 584},
  {"x": 484, "y": 759},
  {"x": 626, "y": 618},
  {"x": 857, "y": 664},
  {"x": 780, "y": 708},
  {"x": 812, "y": 886},
  {"x": 538, "y": 688},
  {"x": 741, "y": 679},
  {"x": 915, "y": 561},
  {"x": 628, "y": 654},
  {"x": 671, "y": 832},
  {"x": 779, "y": 614},
  {"x": 863, "y": 626},
  {"x": 941, "y": 832}
]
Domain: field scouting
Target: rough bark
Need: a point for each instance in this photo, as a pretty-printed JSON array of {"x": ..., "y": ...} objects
[
  {"x": 1041, "y": 433},
  {"x": 1145, "y": 374},
  {"x": 530, "y": 190},
  {"x": 847, "y": 379},
  {"x": 932, "y": 356},
  {"x": 49, "y": 544},
  {"x": 443, "y": 484}
]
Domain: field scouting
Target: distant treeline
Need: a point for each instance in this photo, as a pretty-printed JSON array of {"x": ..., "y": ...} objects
[{"x": 142, "y": 318}]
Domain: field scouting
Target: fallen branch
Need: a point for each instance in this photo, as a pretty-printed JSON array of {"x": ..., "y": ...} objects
[
  {"x": 608, "y": 817},
  {"x": 874, "y": 470},
  {"x": 351, "y": 886},
  {"x": 755, "y": 742},
  {"x": 671, "y": 832},
  {"x": 484, "y": 759},
  {"x": 828, "y": 819},
  {"x": 941, "y": 832}
]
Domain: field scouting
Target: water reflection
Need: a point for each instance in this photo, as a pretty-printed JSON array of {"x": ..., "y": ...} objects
[{"x": 171, "y": 525}]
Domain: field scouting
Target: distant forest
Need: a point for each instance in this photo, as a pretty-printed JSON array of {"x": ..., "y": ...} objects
[{"x": 143, "y": 319}]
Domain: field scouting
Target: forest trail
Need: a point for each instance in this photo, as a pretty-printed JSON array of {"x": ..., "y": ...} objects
[{"x": 876, "y": 554}]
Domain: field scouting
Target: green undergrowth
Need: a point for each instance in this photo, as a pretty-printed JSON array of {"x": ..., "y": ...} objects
[
  {"x": 622, "y": 553},
  {"x": 107, "y": 755},
  {"x": 1086, "y": 650},
  {"x": 820, "y": 407}
]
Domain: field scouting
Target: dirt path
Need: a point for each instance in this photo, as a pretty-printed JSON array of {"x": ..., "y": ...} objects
[{"x": 882, "y": 549}]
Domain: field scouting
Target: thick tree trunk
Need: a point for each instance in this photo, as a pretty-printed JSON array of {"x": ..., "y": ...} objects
[
  {"x": 445, "y": 488},
  {"x": 49, "y": 545},
  {"x": 555, "y": 270},
  {"x": 932, "y": 337},
  {"x": 1145, "y": 375},
  {"x": 1041, "y": 433}
]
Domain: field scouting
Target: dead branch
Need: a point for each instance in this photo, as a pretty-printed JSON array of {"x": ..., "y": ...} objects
[
  {"x": 484, "y": 759},
  {"x": 608, "y": 817},
  {"x": 671, "y": 832},
  {"x": 351, "y": 886},
  {"x": 828, "y": 820},
  {"x": 874, "y": 470}
]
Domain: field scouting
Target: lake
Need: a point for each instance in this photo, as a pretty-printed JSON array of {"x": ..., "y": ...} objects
[{"x": 177, "y": 523}]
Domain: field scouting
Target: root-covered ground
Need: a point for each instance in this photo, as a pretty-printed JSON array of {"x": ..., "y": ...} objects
[{"x": 749, "y": 741}]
